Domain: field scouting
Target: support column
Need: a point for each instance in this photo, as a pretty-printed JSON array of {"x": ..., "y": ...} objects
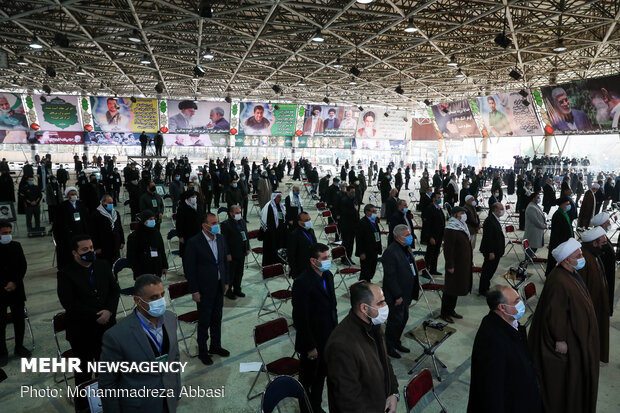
[
  {"x": 548, "y": 144},
  {"x": 33, "y": 152},
  {"x": 440, "y": 152},
  {"x": 484, "y": 150}
]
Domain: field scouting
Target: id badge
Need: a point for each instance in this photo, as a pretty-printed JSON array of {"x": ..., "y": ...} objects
[
  {"x": 209, "y": 188},
  {"x": 243, "y": 237},
  {"x": 154, "y": 203},
  {"x": 118, "y": 180},
  {"x": 280, "y": 216},
  {"x": 377, "y": 235},
  {"x": 76, "y": 216},
  {"x": 162, "y": 359},
  {"x": 412, "y": 270},
  {"x": 154, "y": 254}
]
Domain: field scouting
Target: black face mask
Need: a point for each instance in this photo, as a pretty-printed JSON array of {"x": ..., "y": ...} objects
[
  {"x": 90, "y": 256},
  {"x": 152, "y": 189}
]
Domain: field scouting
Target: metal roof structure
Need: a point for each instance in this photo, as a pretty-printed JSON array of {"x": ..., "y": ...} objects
[{"x": 264, "y": 50}]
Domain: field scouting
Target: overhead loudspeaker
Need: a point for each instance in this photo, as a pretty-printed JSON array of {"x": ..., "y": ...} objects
[
  {"x": 228, "y": 99},
  {"x": 276, "y": 88},
  {"x": 355, "y": 71},
  {"x": 47, "y": 89},
  {"x": 159, "y": 88},
  {"x": 515, "y": 75},
  {"x": 204, "y": 9},
  {"x": 427, "y": 102},
  {"x": 399, "y": 90},
  {"x": 502, "y": 40},
  {"x": 61, "y": 40},
  {"x": 326, "y": 100},
  {"x": 51, "y": 72}
]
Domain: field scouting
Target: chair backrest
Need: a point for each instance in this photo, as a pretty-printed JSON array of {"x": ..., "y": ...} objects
[
  {"x": 331, "y": 229},
  {"x": 526, "y": 244},
  {"x": 119, "y": 265},
  {"x": 510, "y": 228},
  {"x": 280, "y": 388},
  {"x": 320, "y": 205},
  {"x": 254, "y": 197},
  {"x": 171, "y": 234},
  {"x": 174, "y": 217},
  {"x": 417, "y": 388},
  {"x": 58, "y": 322},
  {"x": 271, "y": 271},
  {"x": 179, "y": 289},
  {"x": 253, "y": 234},
  {"x": 338, "y": 252},
  {"x": 326, "y": 214},
  {"x": 529, "y": 291},
  {"x": 421, "y": 264},
  {"x": 270, "y": 330},
  {"x": 507, "y": 207}
]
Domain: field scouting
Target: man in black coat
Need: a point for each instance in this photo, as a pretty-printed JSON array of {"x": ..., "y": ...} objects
[
  {"x": 189, "y": 219},
  {"x": 548, "y": 196},
  {"x": 315, "y": 316},
  {"x": 89, "y": 294},
  {"x": 323, "y": 188},
  {"x": 300, "y": 240},
  {"x": 236, "y": 236},
  {"x": 433, "y": 224},
  {"x": 391, "y": 204},
  {"x": 12, "y": 294},
  {"x": 425, "y": 199},
  {"x": 400, "y": 286},
  {"x": 107, "y": 230},
  {"x": 492, "y": 246},
  {"x": 207, "y": 269},
  {"x": 368, "y": 242},
  {"x": 561, "y": 230},
  {"x": 71, "y": 219},
  {"x": 348, "y": 209},
  {"x": 332, "y": 195},
  {"x": 402, "y": 215},
  {"x": 501, "y": 361}
]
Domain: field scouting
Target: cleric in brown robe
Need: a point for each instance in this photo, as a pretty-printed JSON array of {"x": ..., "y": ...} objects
[
  {"x": 608, "y": 257},
  {"x": 593, "y": 275},
  {"x": 564, "y": 339},
  {"x": 586, "y": 212}
]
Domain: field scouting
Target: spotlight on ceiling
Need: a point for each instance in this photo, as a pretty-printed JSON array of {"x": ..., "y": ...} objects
[
  {"x": 559, "y": 47},
  {"x": 523, "y": 93},
  {"x": 405, "y": 119},
  {"x": 410, "y": 27},
  {"x": 133, "y": 99},
  {"x": 50, "y": 71},
  {"x": 355, "y": 71},
  {"x": 276, "y": 106},
  {"x": 61, "y": 40},
  {"x": 338, "y": 65},
  {"x": 146, "y": 60},
  {"x": 228, "y": 99},
  {"x": 80, "y": 71},
  {"x": 318, "y": 37},
  {"x": 515, "y": 75},
  {"x": 35, "y": 44},
  {"x": 204, "y": 9},
  {"x": 199, "y": 71},
  {"x": 302, "y": 82},
  {"x": 208, "y": 54},
  {"x": 399, "y": 90},
  {"x": 452, "y": 61},
  {"x": 326, "y": 100},
  {"x": 427, "y": 102},
  {"x": 134, "y": 36},
  {"x": 47, "y": 89},
  {"x": 159, "y": 88},
  {"x": 386, "y": 114},
  {"x": 364, "y": 1},
  {"x": 460, "y": 73},
  {"x": 21, "y": 61},
  {"x": 502, "y": 40},
  {"x": 361, "y": 108},
  {"x": 352, "y": 82},
  {"x": 276, "y": 88}
]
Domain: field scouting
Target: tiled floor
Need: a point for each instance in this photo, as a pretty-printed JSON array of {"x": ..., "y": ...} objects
[{"x": 240, "y": 317}]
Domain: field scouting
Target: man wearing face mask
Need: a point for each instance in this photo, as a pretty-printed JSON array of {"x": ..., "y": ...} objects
[
  {"x": 401, "y": 285},
  {"x": 145, "y": 248},
  {"x": 501, "y": 361},
  {"x": 207, "y": 269},
  {"x": 593, "y": 275},
  {"x": 473, "y": 220},
  {"x": 492, "y": 246},
  {"x": 149, "y": 330},
  {"x": 175, "y": 189},
  {"x": 315, "y": 316},
  {"x": 31, "y": 195},
  {"x": 189, "y": 219},
  {"x": 564, "y": 337},
  {"x": 586, "y": 212},
  {"x": 235, "y": 233},
  {"x": 561, "y": 230},
  {"x": 13, "y": 267},
  {"x": 608, "y": 256},
  {"x": 107, "y": 230},
  {"x": 402, "y": 216},
  {"x": 153, "y": 202},
  {"x": 233, "y": 194},
  {"x": 494, "y": 198},
  {"x": 89, "y": 294},
  {"x": 294, "y": 206},
  {"x": 300, "y": 240},
  {"x": 273, "y": 229},
  {"x": 360, "y": 377},
  {"x": 71, "y": 219},
  {"x": 368, "y": 242},
  {"x": 349, "y": 217},
  {"x": 433, "y": 224}
]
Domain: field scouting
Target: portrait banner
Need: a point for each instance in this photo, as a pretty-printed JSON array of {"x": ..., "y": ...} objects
[
  {"x": 330, "y": 121},
  {"x": 455, "y": 120},
  {"x": 115, "y": 138},
  {"x": 196, "y": 116},
  {"x": 263, "y": 119},
  {"x": 58, "y": 113},
  {"x": 324, "y": 142},
  {"x": 509, "y": 114},
  {"x": 262, "y": 141},
  {"x": 54, "y": 137},
  {"x": 196, "y": 139},
  {"x": 373, "y": 124},
  {"x": 13, "y": 136},
  {"x": 423, "y": 129},
  {"x": 12, "y": 116},
  {"x": 112, "y": 114}
]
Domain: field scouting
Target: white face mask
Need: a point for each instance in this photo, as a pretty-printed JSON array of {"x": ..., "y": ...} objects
[
  {"x": 382, "y": 316},
  {"x": 607, "y": 228},
  {"x": 237, "y": 217},
  {"x": 463, "y": 218},
  {"x": 474, "y": 203},
  {"x": 73, "y": 198},
  {"x": 502, "y": 212},
  {"x": 5, "y": 239}
]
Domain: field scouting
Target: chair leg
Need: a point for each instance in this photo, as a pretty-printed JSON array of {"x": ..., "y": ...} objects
[
  {"x": 183, "y": 338},
  {"x": 427, "y": 303},
  {"x": 30, "y": 330}
]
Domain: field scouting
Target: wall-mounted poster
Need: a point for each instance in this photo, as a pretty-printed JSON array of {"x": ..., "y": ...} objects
[
  {"x": 271, "y": 141},
  {"x": 58, "y": 113},
  {"x": 53, "y": 137},
  {"x": 13, "y": 136},
  {"x": 12, "y": 114},
  {"x": 114, "y": 138},
  {"x": 196, "y": 116},
  {"x": 324, "y": 142},
  {"x": 264, "y": 119},
  {"x": 330, "y": 121},
  {"x": 587, "y": 106},
  {"x": 196, "y": 139},
  {"x": 112, "y": 114},
  {"x": 455, "y": 120},
  {"x": 373, "y": 124},
  {"x": 506, "y": 114},
  {"x": 423, "y": 129}
]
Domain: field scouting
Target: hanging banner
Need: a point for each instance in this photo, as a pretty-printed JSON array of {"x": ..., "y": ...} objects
[
  {"x": 373, "y": 124},
  {"x": 111, "y": 114},
  {"x": 196, "y": 139},
  {"x": 13, "y": 136},
  {"x": 330, "y": 121},
  {"x": 588, "y": 106},
  {"x": 194, "y": 116},
  {"x": 12, "y": 116},
  {"x": 271, "y": 141},
  {"x": 423, "y": 129},
  {"x": 324, "y": 142},
  {"x": 53, "y": 137},
  {"x": 58, "y": 113},
  {"x": 115, "y": 138},
  {"x": 455, "y": 120},
  {"x": 265, "y": 120},
  {"x": 509, "y": 114}
]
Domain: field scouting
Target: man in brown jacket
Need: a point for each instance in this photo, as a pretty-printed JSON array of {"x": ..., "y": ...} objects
[
  {"x": 586, "y": 212},
  {"x": 359, "y": 373}
]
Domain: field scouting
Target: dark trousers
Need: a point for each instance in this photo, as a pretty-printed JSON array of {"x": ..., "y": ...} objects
[
  {"x": 432, "y": 254},
  {"x": 19, "y": 326},
  {"x": 216, "y": 198},
  {"x": 448, "y": 304},
  {"x": 348, "y": 238},
  {"x": 86, "y": 345},
  {"x": 546, "y": 209},
  {"x": 158, "y": 150},
  {"x": 521, "y": 219},
  {"x": 33, "y": 211},
  {"x": 489, "y": 267},
  {"x": 312, "y": 374},
  {"x": 51, "y": 211},
  {"x": 396, "y": 322},
  {"x": 236, "y": 274},
  {"x": 244, "y": 208},
  {"x": 369, "y": 266},
  {"x": 210, "y": 321}
]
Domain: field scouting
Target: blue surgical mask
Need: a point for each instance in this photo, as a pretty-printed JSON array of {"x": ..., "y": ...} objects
[
  {"x": 405, "y": 210},
  {"x": 150, "y": 223},
  {"x": 568, "y": 207},
  {"x": 409, "y": 240},
  {"x": 53, "y": 181},
  {"x": 157, "y": 308},
  {"x": 438, "y": 202},
  {"x": 235, "y": 185},
  {"x": 520, "y": 310},
  {"x": 177, "y": 178},
  {"x": 215, "y": 229},
  {"x": 373, "y": 216},
  {"x": 30, "y": 182},
  {"x": 109, "y": 207},
  {"x": 325, "y": 265},
  {"x": 581, "y": 262},
  {"x": 538, "y": 201},
  {"x": 308, "y": 224}
]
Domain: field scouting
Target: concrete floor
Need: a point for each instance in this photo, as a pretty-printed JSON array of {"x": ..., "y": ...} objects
[{"x": 240, "y": 317}]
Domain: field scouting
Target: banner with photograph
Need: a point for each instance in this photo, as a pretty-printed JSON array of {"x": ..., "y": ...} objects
[
  {"x": 196, "y": 139},
  {"x": 270, "y": 141},
  {"x": 264, "y": 119},
  {"x": 373, "y": 124},
  {"x": 12, "y": 116},
  {"x": 423, "y": 129},
  {"x": 509, "y": 114},
  {"x": 112, "y": 114},
  {"x": 196, "y": 116},
  {"x": 58, "y": 113},
  {"x": 455, "y": 120},
  {"x": 330, "y": 121},
  {"x": 54, "y": 137},
  {"x": 13, "y": 136},
  {"x": 587, "y": 106},
  {"x": 324, "y": 142},
  {"x": 115, "y": 138}
]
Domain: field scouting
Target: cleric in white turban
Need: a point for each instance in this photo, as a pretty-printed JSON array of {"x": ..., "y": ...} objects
[
  {"x": 566, "y": 249},
  {"x": 601, "y": 220}
]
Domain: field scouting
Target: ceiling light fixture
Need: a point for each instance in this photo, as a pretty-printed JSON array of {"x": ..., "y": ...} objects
[
  {"x": 80, "y": 71},
  {"x": 145, "y": 60},
  {"x": 228, "y": 99},
  {"x": 410, "y": 27},
  {"x": 301, "y": 83},
  {"x": 364, "y": 1},
  {"x": 208, "y": 54},
  {"x": 352, "y": 82},
  {"x": 317, "y": 36},
  {"x": 460, "y": 73},
  {"x": 199, "y": 71},
  {"x": 134, "y": 36},
  {"x": 559, "y": 46},
  {"x": 515, "y": 75},
  {"x": 355, "y": 71},
  {"x": 338, "y": 65},
  {"x": 326, "y": 100},
  {"x": 204, "y": 9},
  {"x": 452, "y": 62},
  {"x": 399, "y": 90},
  {"x": 21, "y": 61},
  {"x": 34, "y": 44}
]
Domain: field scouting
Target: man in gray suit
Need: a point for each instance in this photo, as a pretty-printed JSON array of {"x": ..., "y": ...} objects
[
  {"x": 207, "y": 267},
  {"x": 148, "y": 334}
]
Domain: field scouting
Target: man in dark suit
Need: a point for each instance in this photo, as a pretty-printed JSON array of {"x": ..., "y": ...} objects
[
  {"x": 425, "y": 199},
  {"x": 148, "y": 334},
  {"x": 236, "y": 236},
  {"x": 501, "y": 361},
  {"x": 207, "y": 269},
  {"x": 400, "y": 286},
  {"x": 492, "y": 246},
  {"x": 391, "y": 204},
  {"x": 89, "y": 294},
  {"x": 315, "y": 316},
  {"x": 548, "y": 196},
  {"x": 368, "y": 242},
  {"x": 301, "y": 239},
  {"x": 494, "y": 198},
  {"x": 349, "y": 211},
  {"x": 402, "y": 215},
  {"x": 433, "y": 224}
]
